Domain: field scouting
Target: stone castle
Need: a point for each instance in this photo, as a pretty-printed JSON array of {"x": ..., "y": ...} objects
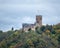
[{"x": 38, "y": 23}]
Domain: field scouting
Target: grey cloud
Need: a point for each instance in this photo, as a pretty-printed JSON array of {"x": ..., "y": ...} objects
[{"x": 12, "y": 12}]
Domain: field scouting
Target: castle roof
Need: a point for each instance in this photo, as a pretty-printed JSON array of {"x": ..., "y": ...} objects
[{"x": 28, "y": 25}]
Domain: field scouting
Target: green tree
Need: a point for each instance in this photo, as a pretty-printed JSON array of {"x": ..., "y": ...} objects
[
  {"x": 12, "y": 28},
  {"x": 42, "y": 28}
]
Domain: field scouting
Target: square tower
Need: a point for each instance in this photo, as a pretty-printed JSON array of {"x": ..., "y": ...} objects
[{"x": 39, "y": 20}]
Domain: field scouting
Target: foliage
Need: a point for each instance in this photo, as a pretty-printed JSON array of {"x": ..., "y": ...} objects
[{"x": 44, "y": 37}]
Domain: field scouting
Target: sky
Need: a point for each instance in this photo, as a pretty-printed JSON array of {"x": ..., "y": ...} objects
[{"x": 13, "y": 13}]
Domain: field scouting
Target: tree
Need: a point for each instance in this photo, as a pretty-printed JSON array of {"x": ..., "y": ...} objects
[
  {"x": 1, "y": 31},
  {"x": 53, "y": 32},
  {"x": 12, "y": 29},
  {"x": 37, "y": 29},
  {"x": 42, "y": 28},
  {"x": 58, "y": 39}
]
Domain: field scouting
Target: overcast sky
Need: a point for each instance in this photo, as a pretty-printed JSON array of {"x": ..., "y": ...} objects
[{"x": 15, "y": 12}]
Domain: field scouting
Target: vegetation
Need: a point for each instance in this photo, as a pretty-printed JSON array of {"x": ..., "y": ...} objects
[{"x": 45, "y": 37}]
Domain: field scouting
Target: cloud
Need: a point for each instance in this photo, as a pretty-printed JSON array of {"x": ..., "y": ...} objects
[
  {"x": 20, "y": 1},
  {"x": 51, "y": 20},
  {"x": 15, "y": 12},
  {"x": 28, "y": 19}
]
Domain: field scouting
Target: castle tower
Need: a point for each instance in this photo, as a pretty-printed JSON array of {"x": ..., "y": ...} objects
[{"x": 39, "y": 20}]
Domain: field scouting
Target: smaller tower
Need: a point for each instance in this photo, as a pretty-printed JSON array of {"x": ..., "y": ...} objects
[{"x": 39, "y": 20}]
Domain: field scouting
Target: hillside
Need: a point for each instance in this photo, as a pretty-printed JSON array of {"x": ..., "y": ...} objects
[{"x": 45, "y": 37}]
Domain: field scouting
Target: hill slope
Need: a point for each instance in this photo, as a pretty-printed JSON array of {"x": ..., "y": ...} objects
[{"x": 45, "y": 37}]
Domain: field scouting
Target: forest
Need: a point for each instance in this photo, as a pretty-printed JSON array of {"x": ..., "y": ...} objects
[{"x": 48, "y": 36}]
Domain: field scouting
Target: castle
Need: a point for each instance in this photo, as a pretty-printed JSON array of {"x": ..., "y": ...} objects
[{"x": 38, "y": 23}]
